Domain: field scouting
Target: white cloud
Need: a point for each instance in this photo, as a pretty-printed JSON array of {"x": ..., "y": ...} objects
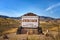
[{"x": 53, "y": 6}]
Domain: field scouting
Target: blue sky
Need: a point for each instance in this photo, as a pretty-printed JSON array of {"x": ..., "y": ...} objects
[{"x": 15, "y": 8}]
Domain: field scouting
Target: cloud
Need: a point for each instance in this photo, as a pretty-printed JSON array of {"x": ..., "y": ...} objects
[{"x": 53, "y": 6}]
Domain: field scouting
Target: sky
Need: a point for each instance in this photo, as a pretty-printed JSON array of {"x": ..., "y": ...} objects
[{"x": 16, "y": 8}]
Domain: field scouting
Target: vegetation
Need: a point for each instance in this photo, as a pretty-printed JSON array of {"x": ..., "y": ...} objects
[
  {"x": 11, "y": 25},
  {"x": 7, "y": 24}
]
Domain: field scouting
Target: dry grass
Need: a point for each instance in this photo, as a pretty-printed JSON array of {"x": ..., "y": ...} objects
[
  {"x": 50, "y": 36},
  {"x": 11, "y": 30}
]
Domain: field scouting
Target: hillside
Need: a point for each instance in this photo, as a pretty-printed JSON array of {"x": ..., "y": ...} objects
[
  {"x": 10, "y": 25},
  {"x": 49, "y": 23},
  {"x": 7, "y": 23}
]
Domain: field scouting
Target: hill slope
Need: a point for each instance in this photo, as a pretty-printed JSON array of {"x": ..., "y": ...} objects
[{"x": 7, "y": 23}]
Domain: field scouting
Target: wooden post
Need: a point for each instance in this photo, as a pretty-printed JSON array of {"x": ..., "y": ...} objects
[{"x": 27, "y": 32}]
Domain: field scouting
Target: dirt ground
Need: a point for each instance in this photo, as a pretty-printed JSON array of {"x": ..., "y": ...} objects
[{"x": 14, "y": 36}]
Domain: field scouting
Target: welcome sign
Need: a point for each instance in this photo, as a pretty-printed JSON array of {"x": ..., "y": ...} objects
[{"x": 30, "y": 21}]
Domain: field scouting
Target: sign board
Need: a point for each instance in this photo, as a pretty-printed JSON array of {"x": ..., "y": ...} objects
[{"x": 30, "y": 21}]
